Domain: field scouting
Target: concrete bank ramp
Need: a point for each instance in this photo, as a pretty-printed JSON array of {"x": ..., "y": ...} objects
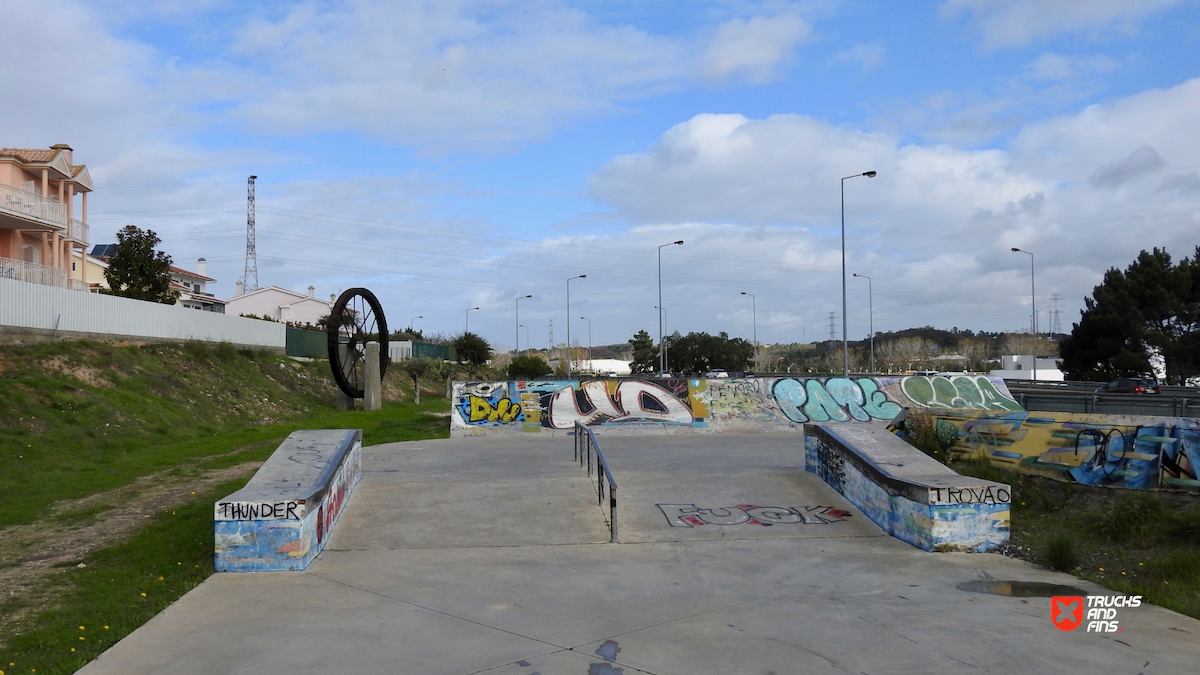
[
  {"x": 466, "y": 493},
  {"x": 724, "y": 487}
]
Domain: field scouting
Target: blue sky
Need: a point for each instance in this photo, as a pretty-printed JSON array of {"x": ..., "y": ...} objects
[{"x": 459, "y": 154}]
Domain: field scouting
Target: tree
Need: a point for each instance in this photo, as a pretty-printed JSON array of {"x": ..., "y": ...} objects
[
  {"x": 527, "y": 367},
  {"x": 701, "y": 352},
  {"x": 472, "y": 348},
  {"x": 416, "y": 369},
  {"x": 137, "y": 271},
  {"x": 1150, "y": 309},
  {"x": 645, "y": 354}
]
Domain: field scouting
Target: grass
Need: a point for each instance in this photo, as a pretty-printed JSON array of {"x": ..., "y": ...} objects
[
  {"x": 1134, "y": 542},
  {"x": 83, "y": 418},
  {"x": 120, "y": 588}
]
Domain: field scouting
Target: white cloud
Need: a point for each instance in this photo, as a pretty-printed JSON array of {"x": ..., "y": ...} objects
[
  {"x": 868, "y": 56},
  {"x": 1016, "y": 23},
  {"x": 1058, "y": 67},
  {"x": 1085, "y": 192},
  {"x": 753, "y": 49}
]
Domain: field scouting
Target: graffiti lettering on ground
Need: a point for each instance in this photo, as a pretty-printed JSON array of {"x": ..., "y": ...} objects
[{"x": 690, "y": 515}]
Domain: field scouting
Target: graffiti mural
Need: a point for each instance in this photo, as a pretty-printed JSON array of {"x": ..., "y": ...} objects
[
  {"x": 1128, "y": 451},
  {"x": 776, "y": 403},
  {"x": 690, "y": 515}
]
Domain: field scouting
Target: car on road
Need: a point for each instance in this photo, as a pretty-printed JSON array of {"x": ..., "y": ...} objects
[
  {"x": 716, "y": 373},
  {"x": 1130, "y": 385}
]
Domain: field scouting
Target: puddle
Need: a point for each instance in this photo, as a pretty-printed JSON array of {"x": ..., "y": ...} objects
[{"x": 1018, "y": 589}]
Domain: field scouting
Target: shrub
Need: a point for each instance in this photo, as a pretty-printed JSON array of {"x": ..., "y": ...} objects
[
  {"x": 527, "y": 367},
  {"x": 1133, "y": 518}
]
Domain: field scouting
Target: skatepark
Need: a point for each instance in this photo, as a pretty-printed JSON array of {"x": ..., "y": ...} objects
[{"x": 493, "y": 555}]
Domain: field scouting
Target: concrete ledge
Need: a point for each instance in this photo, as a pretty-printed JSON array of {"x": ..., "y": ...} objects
[
  {"x": 281, "y": 520},
  {"x": 909, "y": 494}
]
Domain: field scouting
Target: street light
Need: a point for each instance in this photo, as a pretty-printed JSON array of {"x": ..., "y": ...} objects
[
  {"x": 590, "y": 364},
  {"x": 1033, "y": 302},
  {"x": 581, "y": 276},
  {"x": 871, "y": 306},
  {"x": 410, "y": 322},
  {"x": 517, "y": 320},
  {"x": 845, "y": 341},
  {"x": 754, "y": 317},
  {"x": 662, "y": 313},
  {"x": 468, "y": 315},
  {"x": 662, "y": 355},
  {"x": 521, "y": 325}
]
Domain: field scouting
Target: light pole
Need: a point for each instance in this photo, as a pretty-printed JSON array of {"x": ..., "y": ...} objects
[
  {"x": 754, "y": 319},
  {"x": 845, "y": 341},
  {"x": 526, "y": 333},
  {"x": 662, "y": 352},
  {"x": 517, "y": 320},
  {"x": 581, "y": 276},
  {"x": 410, "y": 323},
  {"x": 468, "y": 316},
  {"x": 662, "y": 355},
  {"x": 871, "y": 307},
  {"x": 590, "y": 364},
  {"x": 1033, "y": 302}
]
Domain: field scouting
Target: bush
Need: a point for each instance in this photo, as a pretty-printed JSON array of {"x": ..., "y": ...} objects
[{"x": 921, "y": 433}]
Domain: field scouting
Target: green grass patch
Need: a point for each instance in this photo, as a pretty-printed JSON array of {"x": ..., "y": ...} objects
[
  {"x": 83, "y": 417},
  {"x": 121, "y": 588},
  {"x": 1132, "y": 541}
]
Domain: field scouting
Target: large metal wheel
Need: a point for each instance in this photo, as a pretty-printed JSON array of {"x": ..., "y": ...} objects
[{"x": 355, "y": 320}]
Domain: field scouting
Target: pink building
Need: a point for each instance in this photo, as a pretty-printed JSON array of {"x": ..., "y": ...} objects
[{"x": 41, "y": 221}]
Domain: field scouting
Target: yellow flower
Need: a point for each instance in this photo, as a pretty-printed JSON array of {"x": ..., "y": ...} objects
[
  {"x": 81, "y": 637},
  {"x": 160, "y": 578},
  {"x": 106, "y": 628},
  {"x": 1122, "y": 574},
  {"x": 1101, "y": 569},
  {"x": 72, "y": 649},
  {"x": 143, "y": 595},
  {"x": 1141, "y": 564},
  {"x": 81, "y": 628}
]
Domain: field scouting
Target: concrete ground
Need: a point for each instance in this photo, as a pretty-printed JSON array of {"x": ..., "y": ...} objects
[{"x": 484, "y": 555}]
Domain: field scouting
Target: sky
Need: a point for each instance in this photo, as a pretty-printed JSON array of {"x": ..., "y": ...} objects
[{"x": 458, "y": 154}]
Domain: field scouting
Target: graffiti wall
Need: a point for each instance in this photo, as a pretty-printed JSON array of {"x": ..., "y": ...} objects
[
  {"x": 761, "y": 403},
  {"x": 932, "y": 508},
  {"x": 1117, "y": 450}
]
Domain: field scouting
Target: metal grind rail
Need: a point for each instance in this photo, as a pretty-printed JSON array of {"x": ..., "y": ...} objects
[{"x": 587, "y": 451}]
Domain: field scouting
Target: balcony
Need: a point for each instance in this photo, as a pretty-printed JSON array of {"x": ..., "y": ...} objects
[
  {"x": 30, "y": 206},
  {"x": 19, "y": 270},
  {"x": 78, "y": 231}
]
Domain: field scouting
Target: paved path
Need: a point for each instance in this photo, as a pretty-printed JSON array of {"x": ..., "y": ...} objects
[{"x": 489, "y": 556}]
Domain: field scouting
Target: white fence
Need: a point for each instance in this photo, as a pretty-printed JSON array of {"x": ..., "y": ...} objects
[{"x": 45, "y": 308}]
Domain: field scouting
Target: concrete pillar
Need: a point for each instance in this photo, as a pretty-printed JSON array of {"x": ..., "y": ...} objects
[{"x": 373, "y": 387}]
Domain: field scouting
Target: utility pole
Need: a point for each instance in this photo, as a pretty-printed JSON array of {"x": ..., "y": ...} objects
[
  {"x": 831, "y": 327},
  {"x": 1055, "y": 325}
]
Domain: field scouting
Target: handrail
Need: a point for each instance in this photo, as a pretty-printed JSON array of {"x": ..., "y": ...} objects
[{"x": 585, "y": 447}]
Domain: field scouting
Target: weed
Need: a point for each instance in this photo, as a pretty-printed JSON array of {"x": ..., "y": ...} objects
[
  {"x": 1179, "y": 565},
  {"x": 1184, "y": 526},
  {"x": 1061, "y": 552},
  {"x": 225, "y": 351},
  {"x": 921, "y": 433}
]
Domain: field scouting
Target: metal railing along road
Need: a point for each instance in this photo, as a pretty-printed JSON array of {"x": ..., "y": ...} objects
[
  {"x": 587, "y": 451},
  {"x": 32, "y": 205}
]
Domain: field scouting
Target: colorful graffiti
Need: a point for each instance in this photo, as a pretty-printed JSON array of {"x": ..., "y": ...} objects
[
  {"x": 690, "y": 515},
  {"x": 783, "y": 403},
  {"x": 1094, "y": 449}
]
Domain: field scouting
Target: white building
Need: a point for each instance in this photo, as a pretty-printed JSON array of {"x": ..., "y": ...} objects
[
  {"x": 1020, "y": 367},
  {"x": 280, "y": 304}
]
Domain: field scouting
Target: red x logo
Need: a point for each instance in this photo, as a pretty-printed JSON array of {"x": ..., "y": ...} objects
[{"x": 1066, "y": 611}]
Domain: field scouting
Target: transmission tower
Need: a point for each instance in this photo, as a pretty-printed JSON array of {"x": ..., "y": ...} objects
[
  {"x": 250, "y": 278},
  {"x": 1055, "y": 325},
  {"x": 831, "y": 336},
  {"x": 550, "y": 338}
]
